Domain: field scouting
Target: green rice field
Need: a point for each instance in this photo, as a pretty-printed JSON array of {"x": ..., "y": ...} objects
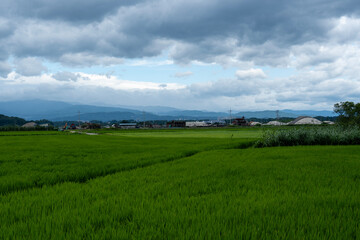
[{"x": 180, "y": 184}]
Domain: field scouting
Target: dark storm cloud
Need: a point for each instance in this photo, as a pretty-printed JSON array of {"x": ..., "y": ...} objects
[
  {"x": 252, "y": 30},
  {"x": 67, "y": 10}
]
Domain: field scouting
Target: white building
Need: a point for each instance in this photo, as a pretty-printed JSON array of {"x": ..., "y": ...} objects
[
  {"x": 255, "y": 123},
  {"x": 196, "y": 124},
  {"x": 29, "y": 125},
  {"x": 275, "y": 123},
  {"x": 305, "y": 120}
]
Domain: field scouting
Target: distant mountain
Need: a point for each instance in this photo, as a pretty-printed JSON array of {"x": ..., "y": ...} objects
[
  {"x": 159, "y": 110},
  {"x": 265, "y": 114},
  {"x": 108, "y": 116},
  {"x": 41, "y": 109},
  {"x": 61, "y": 111},
  {"x": 311, "y": 113},
  {"x": 196, "y": 113}
]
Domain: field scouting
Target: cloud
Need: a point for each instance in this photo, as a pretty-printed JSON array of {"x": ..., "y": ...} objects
[
  {"x": 5, "y": 69},
  {"x": 224, "y": 88},
  {"x": 183, "y": 74},
  {"x": 149, "y": 63},
  {"x": 257, "y": 31},
  {"x": 66, "y": 76},
  {"x": 88, "y": 60},
  {"x": 250, "y": 74},
  {"x": 30, "y": 66},
  {"x": 318, "y": 39},
  {"x": 257, "y": 94},
  {"x": 66, "y": 10}
]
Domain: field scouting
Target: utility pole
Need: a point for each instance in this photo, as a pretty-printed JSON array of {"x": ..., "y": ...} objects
[
  {"x": 79, "y": 118},
  {"x": 230, "y": 116},
  {"x": 144, "y": 119}
]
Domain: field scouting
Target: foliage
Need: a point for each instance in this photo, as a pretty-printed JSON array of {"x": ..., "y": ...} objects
[
  {"x": 43, "y": 121},
  {"x": 12, "y": 121},
  {"x": 91, "y": 125},
  {"x": 17, "y": 128},
  {"x": 319, "y": 135},
  {"x": 349, "y": 113}
]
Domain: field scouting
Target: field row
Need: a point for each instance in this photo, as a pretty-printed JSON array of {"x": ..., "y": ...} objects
[
  {"x": 37, "y": 160},
  {"x": 270, "y": 193}
]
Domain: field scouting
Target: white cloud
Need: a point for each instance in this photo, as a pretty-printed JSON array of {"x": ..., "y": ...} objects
[
  {"x": 149, "y": 63},
  {"x": 66, "y": 76},
  {"x": 345, "y": 29},
  {"x": 30, "y": 66},
  {"x": 250, "y": 74},
  {"x": 5, "y": 69}
]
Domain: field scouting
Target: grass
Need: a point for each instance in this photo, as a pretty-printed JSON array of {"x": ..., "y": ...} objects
[
  {"x": 209, "y": 189},
  {"x": 37, "y": 160},
  {"x": 30, "y": 133},
  {"x": 277, "y": 193},
  {"x": 246, "y": 133}
]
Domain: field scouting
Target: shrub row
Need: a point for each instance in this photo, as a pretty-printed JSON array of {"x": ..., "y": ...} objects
[
  {"x": 36, "y": 128},
  {"x": 310, "y": 136}
]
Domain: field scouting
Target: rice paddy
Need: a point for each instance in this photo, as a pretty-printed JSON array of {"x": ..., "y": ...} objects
[{"x": 197, "y": 185}]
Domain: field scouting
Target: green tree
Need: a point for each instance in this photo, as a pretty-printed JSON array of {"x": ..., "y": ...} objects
[{"x": 349, "y": 113}]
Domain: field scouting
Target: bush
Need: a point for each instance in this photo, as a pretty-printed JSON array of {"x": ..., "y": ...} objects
[{"x": 310, "y": 136}]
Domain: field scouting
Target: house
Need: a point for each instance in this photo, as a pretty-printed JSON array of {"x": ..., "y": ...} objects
[
  {"x": 29, "y": 125},
  {"x": 126, "y": 125},
  {"x": 176, "y": 124},
  {"x": 302, "y": 120},
  {"x": 240, "y": 122}
]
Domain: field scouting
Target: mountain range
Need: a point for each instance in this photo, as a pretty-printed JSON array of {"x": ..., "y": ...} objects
[{"x": 62, "y": 111}]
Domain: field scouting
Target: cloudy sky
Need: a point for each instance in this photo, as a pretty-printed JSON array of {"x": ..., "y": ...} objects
[{"x": 190, "y": 54}]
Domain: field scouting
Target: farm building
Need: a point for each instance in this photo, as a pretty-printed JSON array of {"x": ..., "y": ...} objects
[
  {"x": 196, "y": 124},
  {"x": 126, "y": 125},
  {"x": 240, "y": 122},
  {"x": 176, "y": 124},
  {"x": 275, "y": 123},
  {"x": 29, "y": 125},
  {"x": 305, "y": 120},
  {"x": 255, "y": 123},
  {"x": 329, "y": 122}
]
